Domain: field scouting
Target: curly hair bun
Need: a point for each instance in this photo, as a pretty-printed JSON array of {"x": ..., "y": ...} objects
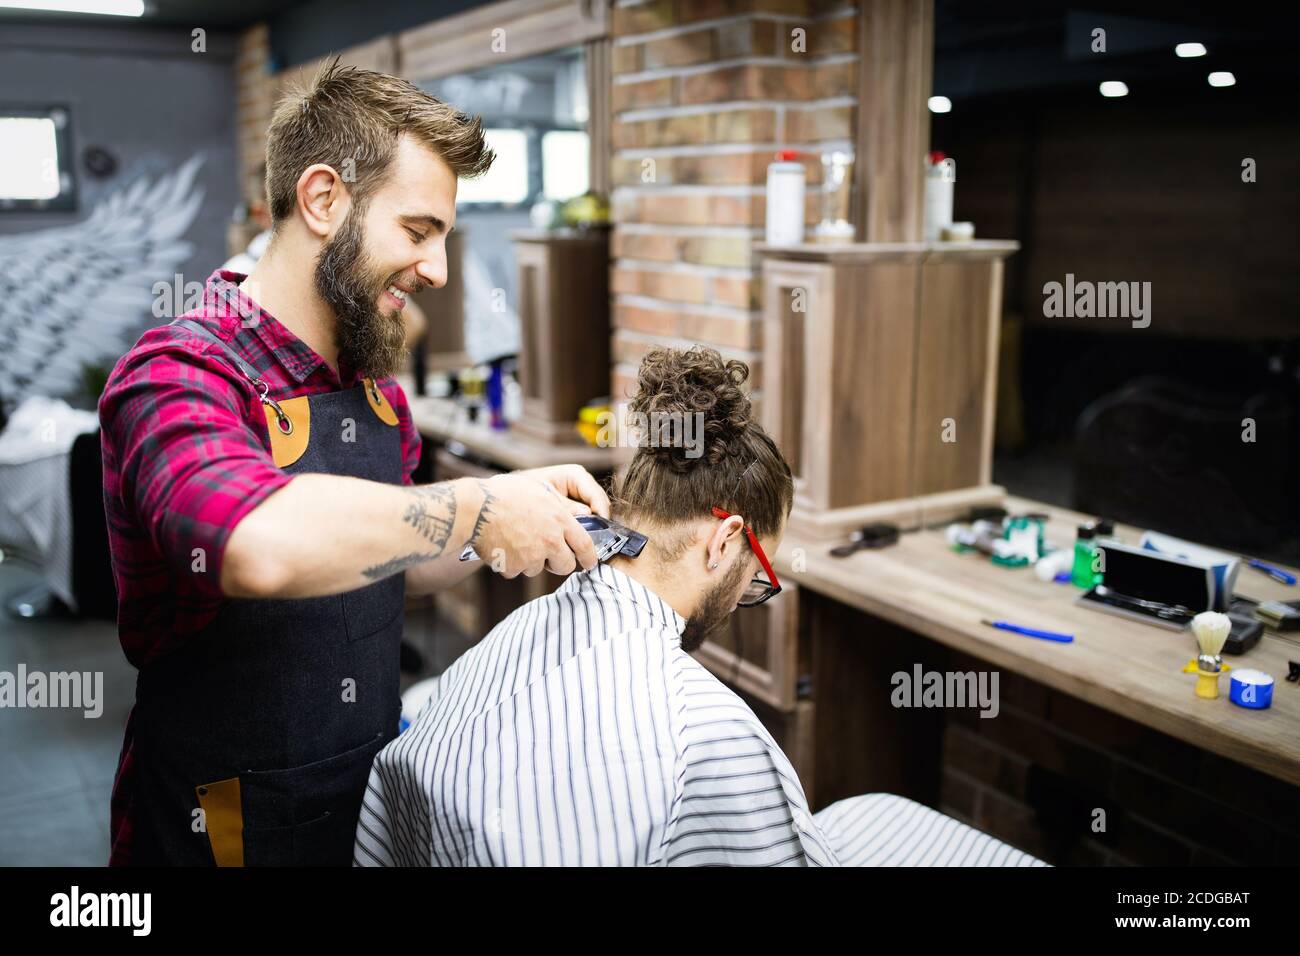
[{"x": 694, "y": 409}]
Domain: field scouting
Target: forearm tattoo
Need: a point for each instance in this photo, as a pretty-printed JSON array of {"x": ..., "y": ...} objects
[
  {"x": 378, "y": 572},
  {"x": 432, "y": 512},
  {"x": 484, "y": 513}
]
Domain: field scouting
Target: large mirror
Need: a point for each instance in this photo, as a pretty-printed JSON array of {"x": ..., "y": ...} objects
[
  {"x": 1150, "y": 346},
  {"x": 535, "y": 113}
]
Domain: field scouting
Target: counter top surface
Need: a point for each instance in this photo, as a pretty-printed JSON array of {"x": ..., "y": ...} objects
[{"x": 1128, "y": 667}]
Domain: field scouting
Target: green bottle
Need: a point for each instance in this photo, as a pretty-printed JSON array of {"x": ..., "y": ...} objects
[{"x": 1082, "y": 574}]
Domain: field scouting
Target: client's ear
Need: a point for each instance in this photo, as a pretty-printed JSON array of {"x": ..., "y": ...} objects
[{"x": 725, "y": 542}]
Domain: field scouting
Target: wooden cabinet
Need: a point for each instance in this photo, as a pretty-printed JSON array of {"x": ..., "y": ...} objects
[
  {"x": 880, "y": 361},
  {"x": 838, "y": 356},
  {"x": 564, "y": 327}
]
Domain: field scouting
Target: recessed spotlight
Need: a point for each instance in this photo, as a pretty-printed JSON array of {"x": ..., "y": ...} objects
[
  {"x": 1114, "y": 88},
  {"x": 940, "y": 104},
  {"x": 1222, "y": 78},
  {"x": 1190, "y": 49}
]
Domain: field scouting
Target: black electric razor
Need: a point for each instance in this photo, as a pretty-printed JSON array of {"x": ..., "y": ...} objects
[{"x": 609, "y": 537}]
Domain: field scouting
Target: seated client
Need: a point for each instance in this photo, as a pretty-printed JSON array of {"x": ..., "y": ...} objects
[{"x": 580, "y": 731}]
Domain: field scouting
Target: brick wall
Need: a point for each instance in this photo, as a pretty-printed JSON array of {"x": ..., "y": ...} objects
[
  {"x": 1034, "y": 774},
  {"x": 704, "y": 93},
  {"x": 255, "y": 92}
]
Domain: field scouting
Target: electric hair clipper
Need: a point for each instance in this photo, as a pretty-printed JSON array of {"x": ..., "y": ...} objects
[{"x": 609, "y": 537}]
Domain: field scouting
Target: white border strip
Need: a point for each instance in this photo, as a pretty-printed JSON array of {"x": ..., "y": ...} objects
[
  {"x": 672, "y": 305},
  {"x": 660, "y": 72},
  {"x": 688, "y": 268},
  {"x": 722, "y": 149},
  {"x": 670, "y": 112},
  {"x": 724, "y": 232},
  {"x": 664, "y": 32}
]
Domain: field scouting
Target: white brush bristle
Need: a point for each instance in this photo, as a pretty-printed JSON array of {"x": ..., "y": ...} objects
[{"x": 1211, "y": 629}]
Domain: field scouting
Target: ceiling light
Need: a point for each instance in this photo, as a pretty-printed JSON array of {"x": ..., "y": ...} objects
[
  {"x": 114, "y": 8},
  {"x": 940, "y": 104},
  {"x": 1222, "y": 78},
  {"x": 1114, "y": 88},
  {"x": 1190, "y": 49}
]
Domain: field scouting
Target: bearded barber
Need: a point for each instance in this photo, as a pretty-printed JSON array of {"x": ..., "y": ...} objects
[{"x": 262, "y": 522}]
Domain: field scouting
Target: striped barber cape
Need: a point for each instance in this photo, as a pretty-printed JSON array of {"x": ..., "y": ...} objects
[{"x": 579, "y": 733}]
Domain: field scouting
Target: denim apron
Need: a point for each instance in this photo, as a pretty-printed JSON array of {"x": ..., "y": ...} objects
[{"x": 254, "y": 738}]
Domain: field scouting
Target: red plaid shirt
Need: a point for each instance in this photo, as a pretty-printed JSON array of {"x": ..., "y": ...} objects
[{"x": 186, "y": 456}]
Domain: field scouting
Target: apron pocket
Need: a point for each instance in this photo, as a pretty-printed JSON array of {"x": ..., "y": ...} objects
[
  {"x": 307, "y": 815},
  {"x": 314, "y": 843}
]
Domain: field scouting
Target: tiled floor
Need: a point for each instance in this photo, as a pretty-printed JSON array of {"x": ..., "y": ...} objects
[{"x": 56, "y": 765}]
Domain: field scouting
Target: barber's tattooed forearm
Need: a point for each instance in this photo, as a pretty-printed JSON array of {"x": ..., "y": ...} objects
[
  {"x": 397, "y": 565},
  {"x": 432, "y": 512},
  {"x": 484, "y": 513}
]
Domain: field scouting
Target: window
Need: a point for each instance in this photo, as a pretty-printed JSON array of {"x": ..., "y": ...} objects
[
  {"x": 532, "y": 164},
  {"x": 564, "y": 164},
  {"x": 507, "y": 180},
  {"x": 35, "y": 160}
]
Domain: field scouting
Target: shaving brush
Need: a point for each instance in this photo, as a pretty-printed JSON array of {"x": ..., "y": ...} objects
[{"x": 1211, "y": 630}]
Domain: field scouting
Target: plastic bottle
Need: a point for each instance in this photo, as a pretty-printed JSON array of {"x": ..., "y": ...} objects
[
  {"x": 1082, "y": 574},
  {"x": 785, "y": 199},
  {"x": 938, "y": 196},
  {"x": 496, "y": 396}
]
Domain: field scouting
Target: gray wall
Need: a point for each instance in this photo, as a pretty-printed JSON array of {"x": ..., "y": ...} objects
[{"x": 145, "y": 97}]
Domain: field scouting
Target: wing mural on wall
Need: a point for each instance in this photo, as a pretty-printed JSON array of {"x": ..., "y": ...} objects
[{"x": 80, "y": 295}]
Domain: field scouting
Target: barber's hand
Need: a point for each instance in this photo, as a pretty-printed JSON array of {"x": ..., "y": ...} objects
[
  {"x": 575, "y": 483},
  {"x": 529, "y": 526}
]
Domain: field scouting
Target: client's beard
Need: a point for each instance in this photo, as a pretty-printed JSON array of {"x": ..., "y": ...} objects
[
  {"x": 714, "y": 607},
  {"x": 372, "y": 342}
]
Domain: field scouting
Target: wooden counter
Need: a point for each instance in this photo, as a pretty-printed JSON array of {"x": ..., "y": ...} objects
[
  {"x": 1127, "y": 667},
  {"x": 442, "y": 420}
]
